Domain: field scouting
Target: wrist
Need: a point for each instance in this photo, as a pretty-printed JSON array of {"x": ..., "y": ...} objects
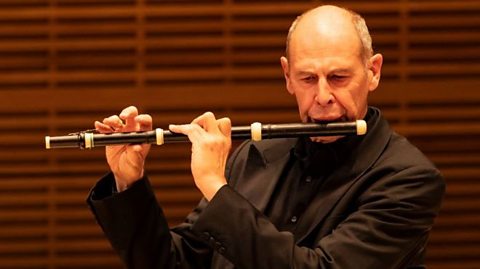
[
  {"x": 123, "y": 183},
  {"x": 121, "y": 186},
  {"x": 209, "y": 190}
]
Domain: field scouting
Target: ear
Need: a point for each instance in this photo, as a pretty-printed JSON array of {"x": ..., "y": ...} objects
[
  {"x": 375, "y": 70},
  {"x": 286, "y": 73}
]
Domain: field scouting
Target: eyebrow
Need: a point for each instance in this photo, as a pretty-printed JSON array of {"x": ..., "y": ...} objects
[
  {"x": 303, "y": 73},
  {"x": 341, "y": 70},
  {"x": 338, "y": 70}
]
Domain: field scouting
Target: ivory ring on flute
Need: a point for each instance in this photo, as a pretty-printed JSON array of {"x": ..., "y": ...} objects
[
  {"x": 159, "y": 136},
  {"x": 361, "y": 127},
  {"x": 256, "y": 129}
]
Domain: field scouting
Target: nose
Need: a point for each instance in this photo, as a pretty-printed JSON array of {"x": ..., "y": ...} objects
[{"x": 323, "y": 94}]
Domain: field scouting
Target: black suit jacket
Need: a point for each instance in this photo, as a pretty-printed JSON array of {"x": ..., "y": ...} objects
[{"x": 376, "y": 211}]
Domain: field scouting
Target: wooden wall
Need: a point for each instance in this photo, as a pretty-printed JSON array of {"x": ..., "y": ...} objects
[{"x": 66, "y": 63}]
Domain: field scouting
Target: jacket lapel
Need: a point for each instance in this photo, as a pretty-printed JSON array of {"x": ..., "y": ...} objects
[
  {"x": 339, "y": 182},
  {"x": 258, "y": 184}
]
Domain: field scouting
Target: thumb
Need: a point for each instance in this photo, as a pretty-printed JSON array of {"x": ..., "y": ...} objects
[{"x": 225, "y": 126}]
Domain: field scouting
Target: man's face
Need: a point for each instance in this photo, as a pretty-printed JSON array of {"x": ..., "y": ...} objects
[{"x": 329, "y": 79}]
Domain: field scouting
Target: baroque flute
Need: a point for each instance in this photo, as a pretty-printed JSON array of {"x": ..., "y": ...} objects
[{"x": 256, "y": 131}]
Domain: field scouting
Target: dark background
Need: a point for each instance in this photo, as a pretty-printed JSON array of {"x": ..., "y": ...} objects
[{"x": 66, "y": 63}]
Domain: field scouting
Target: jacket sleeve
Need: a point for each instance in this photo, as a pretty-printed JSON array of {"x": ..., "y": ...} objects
[
  {"x": 388, "y": 224},
  {"x": 138, "y": 231}
]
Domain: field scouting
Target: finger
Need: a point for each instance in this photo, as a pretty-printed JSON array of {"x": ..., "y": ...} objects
[
  {"x": 139, "y": 148},
  {"x": 144, "y": 121},
  {"x": 193, "y": 130},
  {"x": 128, "y": 115},
  {"x": 207, "y": 121},
  {"x": 176, "y": 128},
  {"x": 130, "y": 111},
  {"x": 102, "y": 128},
  {"x": 180, "y": 128},
  {"x": 225, "y": 126},
  {"x": 114, "y": 122}
]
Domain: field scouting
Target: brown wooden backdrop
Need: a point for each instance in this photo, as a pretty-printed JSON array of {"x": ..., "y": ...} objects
[{"x": 66, "y": 63}]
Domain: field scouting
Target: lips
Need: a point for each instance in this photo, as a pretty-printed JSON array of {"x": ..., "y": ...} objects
[{"x": 327, "y": 119}]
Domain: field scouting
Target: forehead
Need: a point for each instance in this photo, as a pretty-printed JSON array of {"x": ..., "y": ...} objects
[{"x": 327, "y": 56}]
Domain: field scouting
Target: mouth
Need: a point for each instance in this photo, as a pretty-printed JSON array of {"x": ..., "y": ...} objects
[{"x": 327, "y": 120}]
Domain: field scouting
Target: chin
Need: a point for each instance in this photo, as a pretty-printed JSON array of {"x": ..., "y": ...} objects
[{"x": 325, "y": 139}]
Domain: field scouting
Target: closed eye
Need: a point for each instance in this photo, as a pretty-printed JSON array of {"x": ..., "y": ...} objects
[
  {"x": 309, "y": 79},
  {"x": 337, "y": 77},
  {"x": 338, "y": 80}
]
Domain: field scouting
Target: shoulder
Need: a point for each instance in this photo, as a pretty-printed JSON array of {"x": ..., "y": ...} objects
[
  {"x": 406, "y": 172},
  {"x": 401, "y": 152}
]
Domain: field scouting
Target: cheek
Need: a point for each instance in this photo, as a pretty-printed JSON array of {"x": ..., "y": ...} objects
[
  {"x": 351, "y": 100},
  {"x": 304, "y": 103},
  {"x": 356, "y": 102}
]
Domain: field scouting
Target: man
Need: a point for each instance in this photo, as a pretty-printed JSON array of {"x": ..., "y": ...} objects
[{"x": 321, "y": 202}]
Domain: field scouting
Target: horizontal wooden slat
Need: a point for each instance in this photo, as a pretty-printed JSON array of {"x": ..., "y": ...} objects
[{"x": 66, "y": 63}]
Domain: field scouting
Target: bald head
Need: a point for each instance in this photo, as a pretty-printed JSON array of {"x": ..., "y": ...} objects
[{"x": 331, "y": 24}]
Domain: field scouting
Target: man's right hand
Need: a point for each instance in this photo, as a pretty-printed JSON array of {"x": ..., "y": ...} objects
[{"x": 126, "y": 161}]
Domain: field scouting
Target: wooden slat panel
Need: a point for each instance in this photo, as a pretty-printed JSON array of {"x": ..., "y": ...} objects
[{"x": 66, "y": 63}]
